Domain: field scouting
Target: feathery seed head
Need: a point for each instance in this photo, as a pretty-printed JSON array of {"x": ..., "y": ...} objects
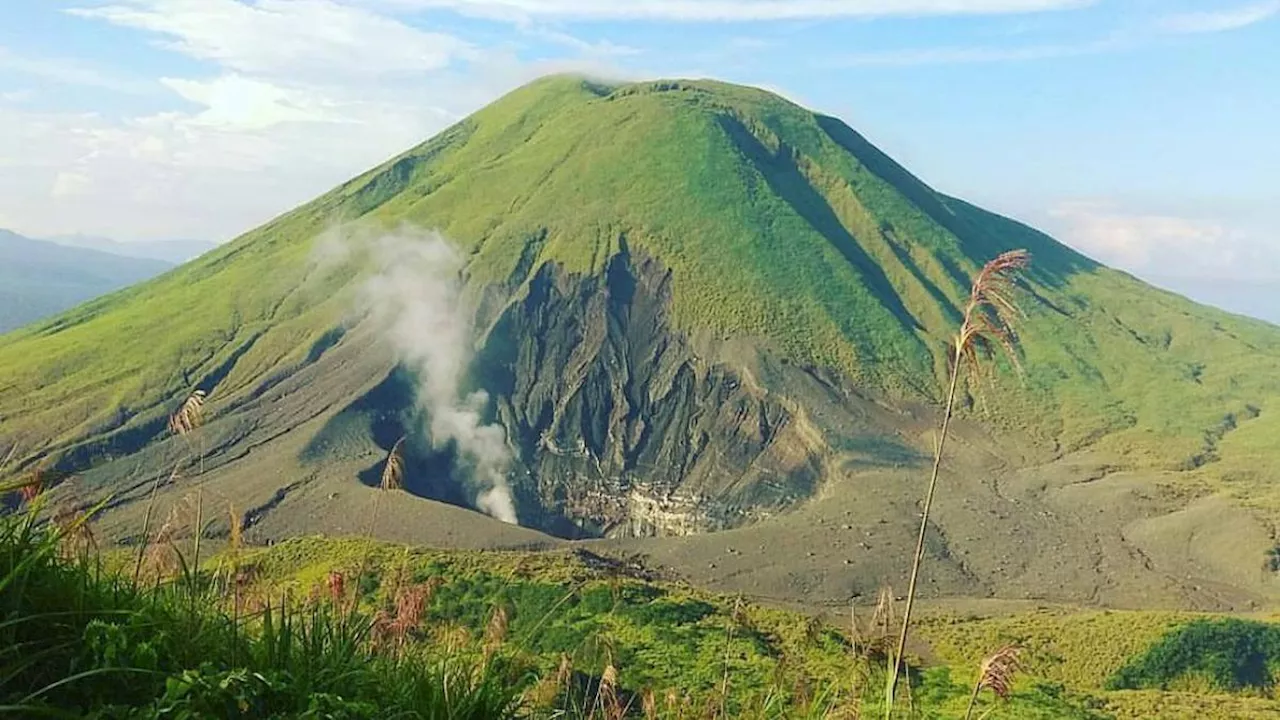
[
  {"x": 496, "y": 632},
  {"x": 382, "y": 631},
  {"x": 190, "y": 415},
  {"x": 235, "y": 523},
  {"x": 649, "y": 705},
  {"x": 610, "y": 703},
  {"x": 29, "y": 492},
  {"x": 565, "y": 672},
  {"x": 161, "y": 558},
  {"x": 75, "y": 534},
  {"x": 393, "y": 473},
  {"x": 411, "y": 607},
  {"x": 991, "y": 314},
  {"x": 882, "y": 618},
  {"x": 337, "y": 587},
  {"x": 38, "y": 481},
  {"x": 998, "y": 671}
]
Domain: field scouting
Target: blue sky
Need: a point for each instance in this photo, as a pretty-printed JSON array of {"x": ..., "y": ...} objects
[{"x": 1143, "y": 132}]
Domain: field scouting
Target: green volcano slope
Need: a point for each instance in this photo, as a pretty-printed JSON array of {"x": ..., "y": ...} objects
[{"x": 701, "y": 308}]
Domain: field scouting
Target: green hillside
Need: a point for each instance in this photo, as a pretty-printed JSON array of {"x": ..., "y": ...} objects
[
  {"x": 747, "y": 199},
  {"x": 783, "y": 266}
]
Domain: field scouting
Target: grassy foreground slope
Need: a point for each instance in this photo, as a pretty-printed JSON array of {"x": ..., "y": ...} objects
[
  {"x": 331, "y": 629},
  {"x": 353, "y": 629}
]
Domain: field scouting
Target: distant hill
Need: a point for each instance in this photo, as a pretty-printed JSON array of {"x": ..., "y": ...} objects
[
  {"x": 39, "y": 278},
  {"x": 174, "y": 252}
]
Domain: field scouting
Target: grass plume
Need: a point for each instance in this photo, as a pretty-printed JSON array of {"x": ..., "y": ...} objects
[
  {"x": 189, "y": 416},
  {"x": 996, "y": 674},
  {"x": 988, "y": 326},
  {"x": 185, "y": 420},
  {"x": 393, "y": 473}
]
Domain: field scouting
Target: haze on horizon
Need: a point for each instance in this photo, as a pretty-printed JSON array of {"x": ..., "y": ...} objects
[{"x": 1141, "y": 133}]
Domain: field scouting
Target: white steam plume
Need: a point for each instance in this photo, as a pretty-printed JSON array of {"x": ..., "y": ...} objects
[{"x": 415, "y": 297}]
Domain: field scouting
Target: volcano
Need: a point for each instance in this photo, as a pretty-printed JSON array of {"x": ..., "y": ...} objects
[{"x": 707, "y": 325}]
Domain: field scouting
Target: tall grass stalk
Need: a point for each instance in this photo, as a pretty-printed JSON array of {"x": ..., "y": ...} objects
[
  {"x": 184, "y": 423},
  {"x": 13, "y": 450},
  {"x": 145, "y": 538},
  {"x": 184, "y": 420},
  {"x": 988, "y": 324},
  {"x": 392, "y": 479}
]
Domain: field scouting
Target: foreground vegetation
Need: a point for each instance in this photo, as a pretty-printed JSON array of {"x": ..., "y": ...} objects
[
  {"x": 328, "y": 628},
  {"x": 82, "y": 641},
  {"x": 350, "y": 629},
  {"x": 1133, "y": 665}
]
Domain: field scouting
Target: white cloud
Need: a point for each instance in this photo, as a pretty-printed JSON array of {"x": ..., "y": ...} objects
[
  {"x": 235, "y": 101},
  {"x": 737, "y": 10},
  {"x": 1225, "y": 257},
  {"x": 597, "y": 49},
  {"x": 69, "y": 183},
  {"x": 208, "y": 174},
  {"x": 1135, "y": 241},
  {"x": 250, "y": 149},
  {"x": 302, "y": 95},
  {"x": 1165, "y": 244},
  {"x": 1212, "y": 21},
  {"x": 301, "y": 39}
]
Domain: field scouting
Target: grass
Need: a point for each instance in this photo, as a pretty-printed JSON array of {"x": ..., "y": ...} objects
[
  {"x": 1099, "y": 653},
  {"x": 326, "y": 627},
  {"x": 1079, "y": 649},
  {"x": 354, "y": 629},
  {"x": 80, "y": 640},
  {"x": 987, "y": 325}
]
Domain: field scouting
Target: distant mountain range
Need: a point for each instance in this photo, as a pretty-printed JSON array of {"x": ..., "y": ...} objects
[
  {"x": 174, "y": 252},
  {"x": 39, "y": 278}
]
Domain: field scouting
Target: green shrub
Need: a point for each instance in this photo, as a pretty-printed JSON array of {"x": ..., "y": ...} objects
[{"x": 1229, "y": 655}]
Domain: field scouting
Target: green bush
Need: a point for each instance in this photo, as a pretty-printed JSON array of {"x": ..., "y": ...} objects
[{"x": 1230, "y": 655}]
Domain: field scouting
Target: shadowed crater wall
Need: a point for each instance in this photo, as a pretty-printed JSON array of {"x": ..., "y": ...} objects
[{"x": 621, "y": 429}]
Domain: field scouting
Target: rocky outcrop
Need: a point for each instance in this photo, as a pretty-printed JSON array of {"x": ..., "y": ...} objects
[{"x": 622, "y": 429}]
